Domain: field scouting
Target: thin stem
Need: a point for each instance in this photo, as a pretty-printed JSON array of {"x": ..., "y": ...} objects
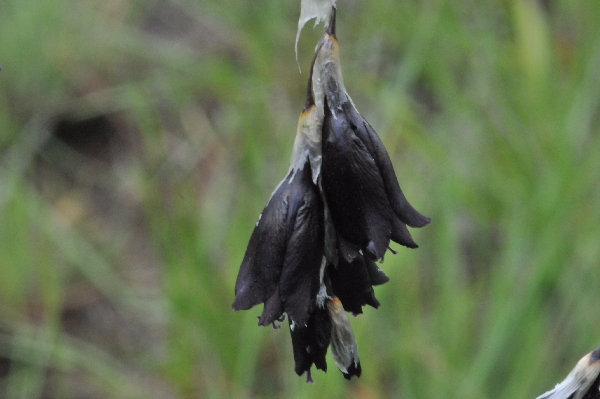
[
  {"x": 331, "y": 27},
  {"x": 310, "y": 99}
]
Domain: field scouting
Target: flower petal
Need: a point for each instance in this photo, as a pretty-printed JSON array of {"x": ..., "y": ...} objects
[
  {"x": 285, "y": 251},
  {"x": 328, "y": 86},
  {"x": 376, "y": 275},
  {"x": 354, "y": 189},
  {"x": 351, "y": 283},
  {"x": 272, "y": 311},
  {"x": 401, "y": 235},
  {"x": 371, "y": 140},
  {"x": 261, "y": 267},
  {"x": 347, "y": 250},
  {"x": 310, "y": 342},
  {"x": 300, "y": 275}
]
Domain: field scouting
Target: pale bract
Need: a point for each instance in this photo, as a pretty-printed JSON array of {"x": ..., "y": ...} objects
[
  {"x": 308, "y": 142},
  {"x": 344, "y": 349},
  {"x": 578, "y": 382},
  {"x": 308, "y": 135},
  {"x": 319, "y": 9},
  {"x": 327, "y": 79}
]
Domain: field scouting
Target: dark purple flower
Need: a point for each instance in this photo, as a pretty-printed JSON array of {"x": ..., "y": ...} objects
[
  {"x": 367, "y": 206},
  {"x": 312, "y": 253},
  {"x": 352, "y": 282},
  {"x": 310, "y": 342},
  {"x": 283, "y": 258}
]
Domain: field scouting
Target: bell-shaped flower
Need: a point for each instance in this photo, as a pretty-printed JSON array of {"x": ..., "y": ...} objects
[
  {"x": 365, "y": 201},
  {"x": 284, "y": 255},
  {"x": 311, "y": 254},
  {"x": 353, "y": 282},
  {"x": 310, "y": 342}
]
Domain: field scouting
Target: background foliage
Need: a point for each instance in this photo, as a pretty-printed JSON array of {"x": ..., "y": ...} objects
[{"x": 140, "y": 140}]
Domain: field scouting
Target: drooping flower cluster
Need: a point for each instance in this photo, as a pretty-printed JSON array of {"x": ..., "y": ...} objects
[{"x": 313, "y": 250}]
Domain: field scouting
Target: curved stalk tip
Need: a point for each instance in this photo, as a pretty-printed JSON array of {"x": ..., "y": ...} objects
[
  {"x": 310, "y": 99},
  {"x": 331, "y": 27}
]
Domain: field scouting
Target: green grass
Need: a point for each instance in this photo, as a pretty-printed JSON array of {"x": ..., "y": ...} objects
[{"x": 117, "y": 272}]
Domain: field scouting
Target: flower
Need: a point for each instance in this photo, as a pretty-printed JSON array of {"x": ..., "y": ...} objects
[
  {"x": 310, "y": 342},
  {"x": 352, "y": 282},
  {"x": 327, "y": 325},
  {"x": 284, "y": 255},
  {"x": 365, "y": 201},
  {"x": 583, "y": 381},
  {"x": 312, "y": 252}
]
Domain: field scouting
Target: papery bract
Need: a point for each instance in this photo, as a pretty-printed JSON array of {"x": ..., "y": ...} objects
[
  {"x": 344, "y": 349},
  {"x": 583, "y": 382}
]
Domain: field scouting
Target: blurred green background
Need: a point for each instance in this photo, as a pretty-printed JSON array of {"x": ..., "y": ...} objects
[{"x": 140, "y": 140}]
